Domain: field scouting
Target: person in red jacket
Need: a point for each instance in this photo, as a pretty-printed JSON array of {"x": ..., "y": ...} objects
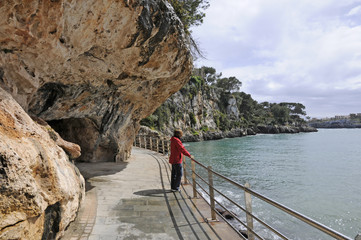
[{"x": 176, "y": 155}]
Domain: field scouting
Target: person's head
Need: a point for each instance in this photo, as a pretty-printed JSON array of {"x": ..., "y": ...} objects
[{"x": 178, "y": 133}]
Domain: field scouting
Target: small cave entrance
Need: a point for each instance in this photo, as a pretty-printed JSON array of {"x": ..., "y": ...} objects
[
  {"x": 51, "y": 221},
  {"x": 85, "y": 133}
]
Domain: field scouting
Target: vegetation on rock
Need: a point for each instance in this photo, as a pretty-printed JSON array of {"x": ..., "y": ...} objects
[
  {"x": 190, "y": 12},
  {"x": 212, "y": 103}
]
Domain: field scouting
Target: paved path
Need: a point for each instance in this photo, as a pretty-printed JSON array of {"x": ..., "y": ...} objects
[{"x": 132, "y": 201}]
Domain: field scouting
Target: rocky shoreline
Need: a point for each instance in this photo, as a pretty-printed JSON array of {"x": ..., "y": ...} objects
[
  {"x": 336, "y": 124},
  {"x": 239, "y": 132}
]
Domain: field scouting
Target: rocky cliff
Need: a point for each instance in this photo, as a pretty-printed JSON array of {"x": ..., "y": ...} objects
[
  {"x": 207, "y": 112},
  {"x": 92, "y": 70},
  {"x": 40, "y": 190}
]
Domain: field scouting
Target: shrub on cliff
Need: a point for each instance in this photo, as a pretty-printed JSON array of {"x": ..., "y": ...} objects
[
  {"x": 230, "y": 84},
  {"x": 190, "y": 12}
]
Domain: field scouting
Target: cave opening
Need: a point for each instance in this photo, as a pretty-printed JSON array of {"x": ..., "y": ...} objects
[{"x": 85, "y": 133}]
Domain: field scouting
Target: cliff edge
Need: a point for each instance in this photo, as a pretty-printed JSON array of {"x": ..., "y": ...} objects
[{"x": 92, "y": 71}]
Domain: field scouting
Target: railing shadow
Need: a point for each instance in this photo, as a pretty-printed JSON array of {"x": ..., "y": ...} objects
[{"x": 184, "y": 221}]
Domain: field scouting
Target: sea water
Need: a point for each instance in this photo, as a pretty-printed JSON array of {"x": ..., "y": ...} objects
[{"x": 316, "y": 174}]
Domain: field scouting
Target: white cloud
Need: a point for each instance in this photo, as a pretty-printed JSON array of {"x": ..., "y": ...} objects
[
  {"x": 354, "y": 11},
  {"x": 288, "y": 50}
]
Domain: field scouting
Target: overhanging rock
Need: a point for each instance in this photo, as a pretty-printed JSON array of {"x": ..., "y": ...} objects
[{"x": 92, "y": 70}]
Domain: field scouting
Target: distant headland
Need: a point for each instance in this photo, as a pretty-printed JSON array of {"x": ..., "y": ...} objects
[{"x": 352, "y": 120}]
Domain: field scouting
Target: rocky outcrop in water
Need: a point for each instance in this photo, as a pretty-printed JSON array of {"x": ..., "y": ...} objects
[
  {"x": 92, "y": 70},
  {"x": 40, "y": 189}
]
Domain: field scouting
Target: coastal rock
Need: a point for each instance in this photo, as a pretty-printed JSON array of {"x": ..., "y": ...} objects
[
  {"x": 337, "y": 123},
  {"x": 187, "y": 137},
  {"x": 232, "y": 108},
  {"x": 226, "y": 214},
  {"x": 308, "y": 129},
  {"x": 91, "y": 70},
  {"x": 235, "y": 133},
  {"x": 284, "y": 129},
  {"x": 250, "y": 131},
  {"x": 213, "y": 135},
  {"x": 40, "y": 189}
]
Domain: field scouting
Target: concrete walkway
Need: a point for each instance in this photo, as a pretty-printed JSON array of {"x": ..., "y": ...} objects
[{"x": 132, "y": 201}]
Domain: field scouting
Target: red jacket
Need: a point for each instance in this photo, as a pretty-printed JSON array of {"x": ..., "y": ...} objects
[{"x": 177, "y": 150}]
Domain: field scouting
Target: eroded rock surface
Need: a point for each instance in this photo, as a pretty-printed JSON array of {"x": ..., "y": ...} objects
[
  {"x": 40, "y": 190},
  {"x": 92, "y": 69}
]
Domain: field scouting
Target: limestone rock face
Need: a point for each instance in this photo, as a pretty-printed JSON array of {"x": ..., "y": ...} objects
[
  {"x": 92, "y": 69},
  {"x": 232, "y": 109},
  {"x": 40, "y": 190}
]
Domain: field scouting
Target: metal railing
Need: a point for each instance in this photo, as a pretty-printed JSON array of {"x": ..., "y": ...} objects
[
  {"x": 198, "y": 182},
  {"x": 152, "y": 143}
]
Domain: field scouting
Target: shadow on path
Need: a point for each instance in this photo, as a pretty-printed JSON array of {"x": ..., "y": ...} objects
[
  {"x": 90, "y": 170},
  {"x": 185, "y": 222},
  {"x": 152, "y": 193}
]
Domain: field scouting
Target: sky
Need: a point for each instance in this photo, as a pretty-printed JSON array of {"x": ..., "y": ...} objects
[{"x": 305, "y": 51}]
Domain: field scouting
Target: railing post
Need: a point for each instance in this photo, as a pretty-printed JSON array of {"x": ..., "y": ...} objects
[
  {"x": 211, "y": 193},
  {"x": 140, "y": 145},
  {"x": 248, "y": 200},
  {"x": 150, "y": 143},
  {"x": 185, "y": 170},
  {"x": 145, "y": 142},
  {"x": 157, "y": 145},
  {"x": 168, "y": 148},
  {"x": 194, "y": 178},
  {"x": 163, "y": 151}
]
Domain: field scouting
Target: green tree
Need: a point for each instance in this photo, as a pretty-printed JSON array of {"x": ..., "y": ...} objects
[
  {"x": 265, "y": 105},
  {"x": 190, "y": 12},
  {"x": 210, "y": 75},
  {"x": 299, "y": 109},
  {"x": 295, "y": 108},
  {"x": 231, "y": 84},
  {"x": 281, "y": 113}
]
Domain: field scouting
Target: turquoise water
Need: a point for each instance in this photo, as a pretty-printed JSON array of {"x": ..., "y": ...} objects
[{"x": 316, "y": 174}]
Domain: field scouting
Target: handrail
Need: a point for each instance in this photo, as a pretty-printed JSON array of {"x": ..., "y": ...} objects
[
  {"x": 152, "y": 143},
  {"x": 163, "y": 146},
  {"x": 285, "y": 209},
  {"x": 290, "y": 211},
  {"x": 259, "y": 220}
]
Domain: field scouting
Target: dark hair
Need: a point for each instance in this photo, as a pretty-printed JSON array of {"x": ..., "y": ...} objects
[{"x": 178, "y": 133}]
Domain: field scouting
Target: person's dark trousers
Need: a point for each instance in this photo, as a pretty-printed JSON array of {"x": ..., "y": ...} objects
[{"x": 177, "y": 172}]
